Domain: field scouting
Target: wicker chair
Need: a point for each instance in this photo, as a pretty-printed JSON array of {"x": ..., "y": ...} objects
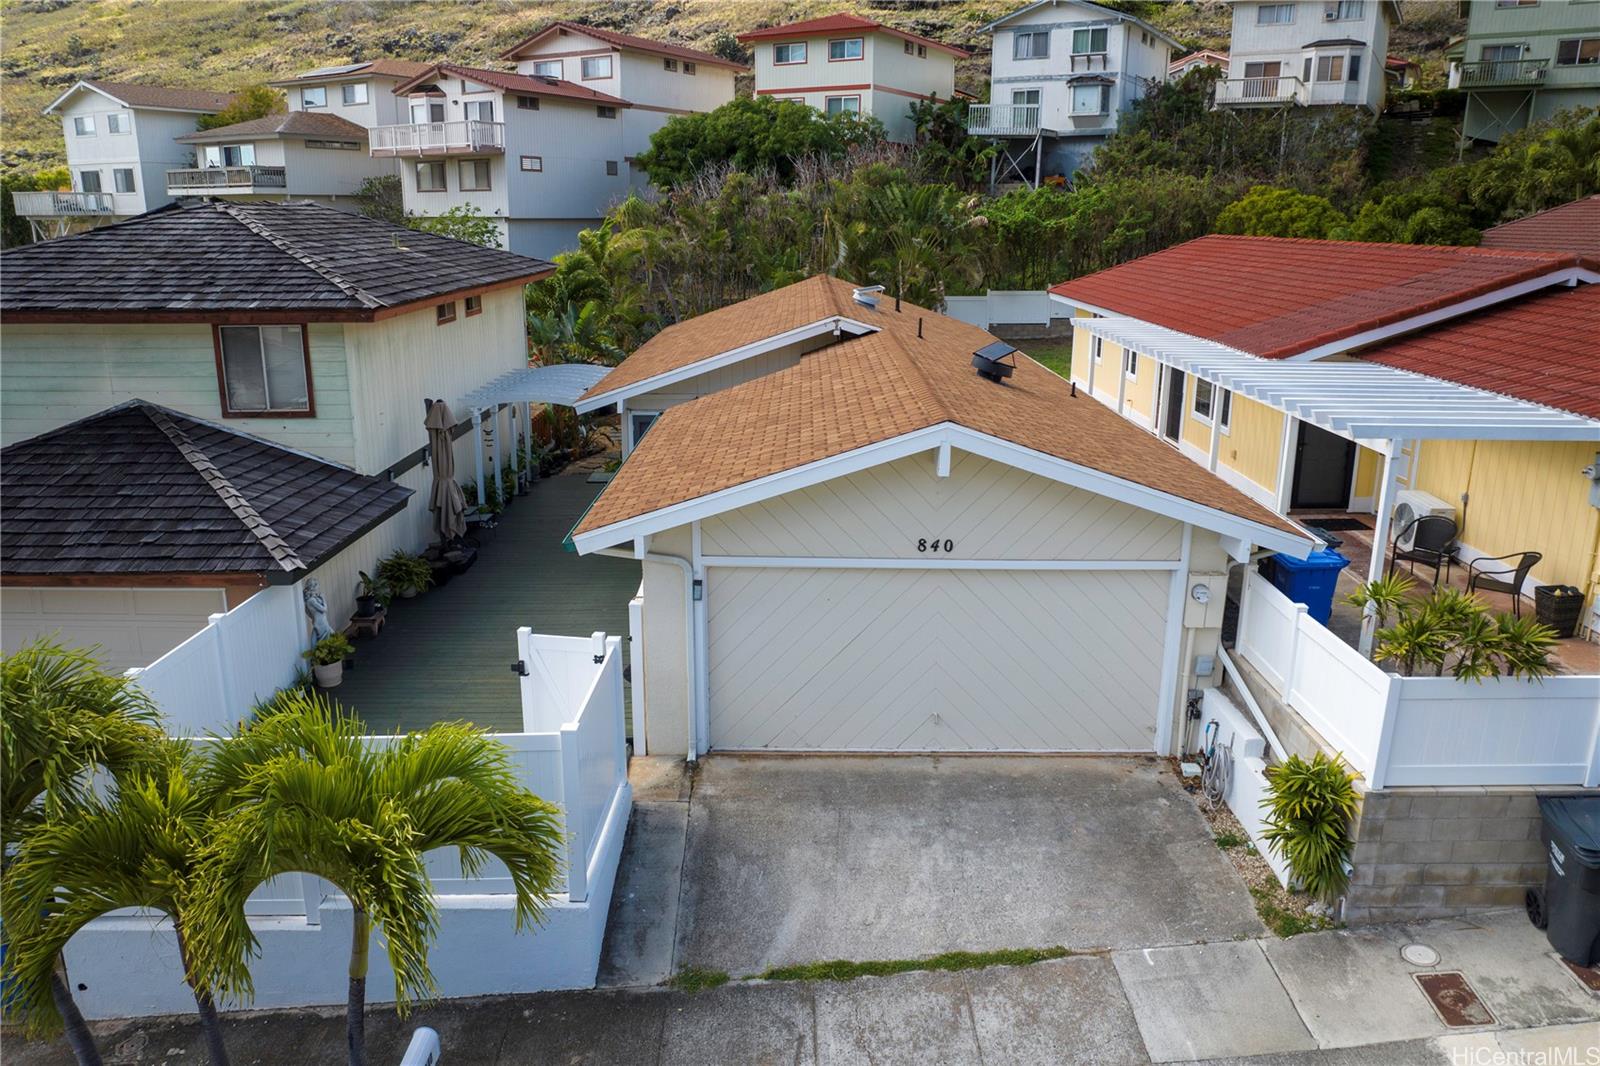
[
  {"x": 1503, "y": 573},
  {"x": 1433, "y": 544}
]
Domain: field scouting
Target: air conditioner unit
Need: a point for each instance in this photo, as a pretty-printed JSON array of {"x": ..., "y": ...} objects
[{"x": 1412, "y": 505}]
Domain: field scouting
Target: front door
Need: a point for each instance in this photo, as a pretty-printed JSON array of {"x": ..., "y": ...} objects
[
  {"x": 1323, "y": 464},
  {"x": 1172, "y": 406}
]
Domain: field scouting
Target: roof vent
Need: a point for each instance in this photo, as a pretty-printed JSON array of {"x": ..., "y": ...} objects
[
  {"x": 987, "y": 361},
  {"x": 867, "y": 295}
]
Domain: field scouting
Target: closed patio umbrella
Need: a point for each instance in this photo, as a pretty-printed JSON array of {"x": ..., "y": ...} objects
[{"x": 445, "y": 500}]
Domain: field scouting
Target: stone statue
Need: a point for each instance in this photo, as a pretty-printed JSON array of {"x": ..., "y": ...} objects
[{"x": 317, "y": 609}]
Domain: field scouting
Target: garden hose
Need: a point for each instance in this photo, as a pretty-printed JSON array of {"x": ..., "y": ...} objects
[{"x": 1216, "y": 771}]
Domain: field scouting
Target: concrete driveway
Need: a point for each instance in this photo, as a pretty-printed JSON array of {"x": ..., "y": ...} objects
[{"x": 798, "y": 859}]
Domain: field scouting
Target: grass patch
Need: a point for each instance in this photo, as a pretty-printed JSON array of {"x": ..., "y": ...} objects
[
  {"x": 1228, "y": 839},
  {"x": 694, "y": 979},
  {"x": 1054, "y": 354},
  {"x": 846, "y": 970},
  {"x": 1281, "y": 920}
]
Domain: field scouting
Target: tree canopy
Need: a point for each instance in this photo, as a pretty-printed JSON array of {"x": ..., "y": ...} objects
[
  {"x": 253, "y": 101},
  {"x": 1266, "y": 211},
  {"x": 759, "y": 133}
]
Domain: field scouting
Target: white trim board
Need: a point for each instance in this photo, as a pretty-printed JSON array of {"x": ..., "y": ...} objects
[
  {"x": 831, "y": 324},
  {"x": 928, "y": 439},
  {"x": 807, "y": 562}
]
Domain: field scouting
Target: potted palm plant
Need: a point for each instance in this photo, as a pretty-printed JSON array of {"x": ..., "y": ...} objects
[
  {"x": 327, "y": 659},
  {"x": 371, "y": 593},
  {"x": 405, "y": 573}
]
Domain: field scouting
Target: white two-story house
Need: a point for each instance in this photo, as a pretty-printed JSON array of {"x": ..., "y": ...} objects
[
  {"x": 660, "y": 80},
  {"x": 1062, "y": 72},
  {"x": 362, "y": 93},
  {"x": 1313, "y": 53},
  {"x": 120, "y": 143},
  {"x": 544, "y": 158},
  {"x": 301, "y": 155},
  {"x": 848, "y": 64}
]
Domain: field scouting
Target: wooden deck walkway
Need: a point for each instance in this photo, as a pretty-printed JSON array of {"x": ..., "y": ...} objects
[{"x": 446, "y": 655}]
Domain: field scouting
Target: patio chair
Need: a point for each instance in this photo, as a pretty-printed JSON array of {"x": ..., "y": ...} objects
[
  {"x": 1503, "y": 573},
  {"x": 1433, "y": 543}
]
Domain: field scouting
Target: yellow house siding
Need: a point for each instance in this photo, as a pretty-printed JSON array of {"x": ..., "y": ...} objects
[
  {"x": 1523, "y": 496},
  {"x": 1368, "y": 463},
  {"x": 1141, "y": 389},
  {"x": 1080, "y": 353},
  {"x": 1254, "y": 439},
  {"x": 1195, "y": 432}
]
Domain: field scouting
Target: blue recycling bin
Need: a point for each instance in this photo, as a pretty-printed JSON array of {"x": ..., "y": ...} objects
[{"x": 1310, "y": 581}]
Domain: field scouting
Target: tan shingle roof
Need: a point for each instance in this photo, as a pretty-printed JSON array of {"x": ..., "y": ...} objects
[
  {"x": 732, "y": 327},
  {"x": 160, "y": 96},
  {"x": 286, "y": 124},
  {"x": 621, "y": 40},
  {"x": 880, "y": 386},
  {"x": 381, "y": 68}
]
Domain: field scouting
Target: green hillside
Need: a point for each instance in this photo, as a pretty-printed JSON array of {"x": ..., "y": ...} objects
[{"x": 46, "y": 45}]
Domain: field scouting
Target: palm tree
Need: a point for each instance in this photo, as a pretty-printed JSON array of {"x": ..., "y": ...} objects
[
  {"x": 308, "y": 794},
  {"x": 141, "y": 848},
  {"x": 61, "y": 718}
]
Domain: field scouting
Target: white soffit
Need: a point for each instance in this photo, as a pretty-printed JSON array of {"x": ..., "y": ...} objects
[
  {"x": 1355, "y": 399},
  {"x": 560, "y": 383}
]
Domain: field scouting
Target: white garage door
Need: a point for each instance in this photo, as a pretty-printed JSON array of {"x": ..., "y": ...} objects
[
  {"x": 130, "y": 627},
  {"x": 935, "y": 660}
]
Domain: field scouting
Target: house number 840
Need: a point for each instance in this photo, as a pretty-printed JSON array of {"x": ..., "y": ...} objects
[{"x": 924, "y": 544}]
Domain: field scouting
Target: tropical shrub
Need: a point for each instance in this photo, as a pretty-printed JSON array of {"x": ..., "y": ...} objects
[
  {"x": 756, "y": 133},
  {"x": 333, "y": 648},
  {"x": 1266, "y": 211},
  {"x": 251, "y": 102},
  {"x": 403, "y": 570},
  {"x": 1309, "y": 806},
  {"x": 1455, "y": 632}
]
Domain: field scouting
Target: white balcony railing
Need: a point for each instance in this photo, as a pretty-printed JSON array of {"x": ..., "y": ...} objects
[
  {"x": 1247, "y": 92},
  {"x": 457, "y": 137},
  {"x": 62, "y": 204},
  {"x": 191, "y": 180},
  {"x": 1512, "y": 72},
  {"x": 1003, "y": 120}
]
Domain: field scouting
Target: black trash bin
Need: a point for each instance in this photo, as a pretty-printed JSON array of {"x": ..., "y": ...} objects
[{"x": 1570, "y": 907}]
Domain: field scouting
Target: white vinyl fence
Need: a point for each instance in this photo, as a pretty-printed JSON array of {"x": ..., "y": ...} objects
[
  {"x": 212, "y": 680},
  {"x": 1399, "y": 731},
  {"x": 1011, "y": 307}
]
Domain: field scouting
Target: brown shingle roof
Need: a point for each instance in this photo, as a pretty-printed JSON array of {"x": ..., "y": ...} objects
[
  {"x": 732, "y": 327},
  {"x": 846, "y": 23},
  {"x": 873, "y": 388},
  {"x": 402, "y": 69},
  {"x": 1572, "y": 227},
  {"x": 622, "y": 40},
  {"x": 514, "y": 83},
  {"x": 160, "y": 96},
  {"x": 288, "y": 124}
]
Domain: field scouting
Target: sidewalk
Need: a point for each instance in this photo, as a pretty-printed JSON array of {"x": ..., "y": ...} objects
[{"x": 1342, "y": 998}]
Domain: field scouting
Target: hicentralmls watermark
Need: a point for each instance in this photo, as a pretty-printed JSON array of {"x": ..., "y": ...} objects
[{"x": 1575, "y": 1055}]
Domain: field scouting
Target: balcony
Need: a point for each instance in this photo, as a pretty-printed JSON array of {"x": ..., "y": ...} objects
[
  {"x": 1003, "y": 120},
  {"x": 197, "y": 181},
  {"x": 62, "y": 204},
  {"x": 1260, "y": 92},
  {"x": 1507, "y": 73},
  {"x": 456, "y": 137}
]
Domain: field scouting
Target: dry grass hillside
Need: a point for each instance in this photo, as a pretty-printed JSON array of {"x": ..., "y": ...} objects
[{"x": 46, "y": 45}]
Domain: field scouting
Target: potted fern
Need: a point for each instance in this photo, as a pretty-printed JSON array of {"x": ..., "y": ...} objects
[
  {"x": 327, "y": 658},
  {"x": 405, "y": 573}
]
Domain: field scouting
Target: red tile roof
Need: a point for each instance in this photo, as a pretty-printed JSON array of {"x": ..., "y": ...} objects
[
  {"x": 1573, "y": 227},
  {"x": 622, "y": 40},
  {"x": 513, "y": 83},
  {"x": 1544, "y": 348},
  {"x": 845, "y": 23},
  {"x": 1275, "y": 297}
]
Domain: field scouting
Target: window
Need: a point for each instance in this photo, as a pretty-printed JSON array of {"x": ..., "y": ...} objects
[
  {"x": 689, "y": 68},
  {"x": 474, "y": 175},
  {"x": 922, "y": 51},
  {"x": 844, "y": 105},
  {"x": 88, "y": 181},
  {"x": 117, "y": 122},
  {"x": 1578, "y": 51},
  {"x": 1095, "y": 348},
  {"x": 670, "y": 65},
  {"x": 355, "y": 93},
  {"x": 848, "y": 48},
  {"x": 1501, "y": 53},
  {"x": 1305, "y": 72},
  {"x": 83, "y": 125},
  {"x": 528, "y": 103},
  {"x": 474, "y": 305},
  {"x": 1024, "y": 98},
  {"x": 443, "y": 314},
  {"x": 427, "y": 111},
  {"x": 343, "y": 146},
  {"x": 479, "y": 110},
  {"x": 1130, "y": 362},
  {"x": 1031, "y": 45},
  {"x": 606, "y": 111},
  {"x": 264, "y": 370},
  {"x": 1340, "y": 10},
  {"x": 611, "y": 168},
  {"x": 230, "y": 155},
  {"x": 1516, "y": 3},
  {"x": 430, "y": 177},
  {"x": 547, "y": 68},
  {"x": 910, "y": 48},
  {"x": 1274, "y": 14},
  {"x": 785, "y": 54},
  {"x": 641, "y": 422},
  {"x": 1205, "y": 401},
  {"x": 596, "y": 67},
  {"x": 317, "y": 97},
  {"x": 1330, "y": 68},
  {"x": 533, "y": 163},
  {"x": 122, "y": 179},
  {"x": 1088, "y": 41},
  {"x": 1353, "y": 71},
  {"x": 1091, "y": 99}
]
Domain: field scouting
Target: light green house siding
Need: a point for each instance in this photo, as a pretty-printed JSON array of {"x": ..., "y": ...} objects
[
  {"x": 1505, "y": 97},
  {"x": 57, "y": 373}
]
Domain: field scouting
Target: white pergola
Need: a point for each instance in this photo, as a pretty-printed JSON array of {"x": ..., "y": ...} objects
[
  {"x": 561, "y": 383},
  {"x": 1380, "y": 407}
]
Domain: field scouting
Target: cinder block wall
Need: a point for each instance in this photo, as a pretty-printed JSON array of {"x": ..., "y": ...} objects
[{"x": 1438, "y": 852}]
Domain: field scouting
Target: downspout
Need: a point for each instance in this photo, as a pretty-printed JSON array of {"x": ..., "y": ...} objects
[{"x": 689, "y": 643}]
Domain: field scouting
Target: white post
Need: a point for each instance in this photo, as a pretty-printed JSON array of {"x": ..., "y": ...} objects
[
  {"x": 1380, "y": 538},
  {"x": 311, "y": 892},
  {"x": 477, "y": 450},
  {"x": 530, "y": 715},
  {"x": 1285, "y": 489},
  {"x": 219, "y": 656},
  {"x": 1391, "y": 711},
  {"x": 571, "y": 797},
  {"x": 527, "y": 440},
  {"x": 1591, "y": 778},
  {"x": 1122, "y": 381},
  {"x": 614, "y": 653},
  {"x": 499, "y": 460},
  {"x": 636, "y": 643},
  {"x": 1215, "y": 447},
  {"x": 1296, "y": 638}
]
